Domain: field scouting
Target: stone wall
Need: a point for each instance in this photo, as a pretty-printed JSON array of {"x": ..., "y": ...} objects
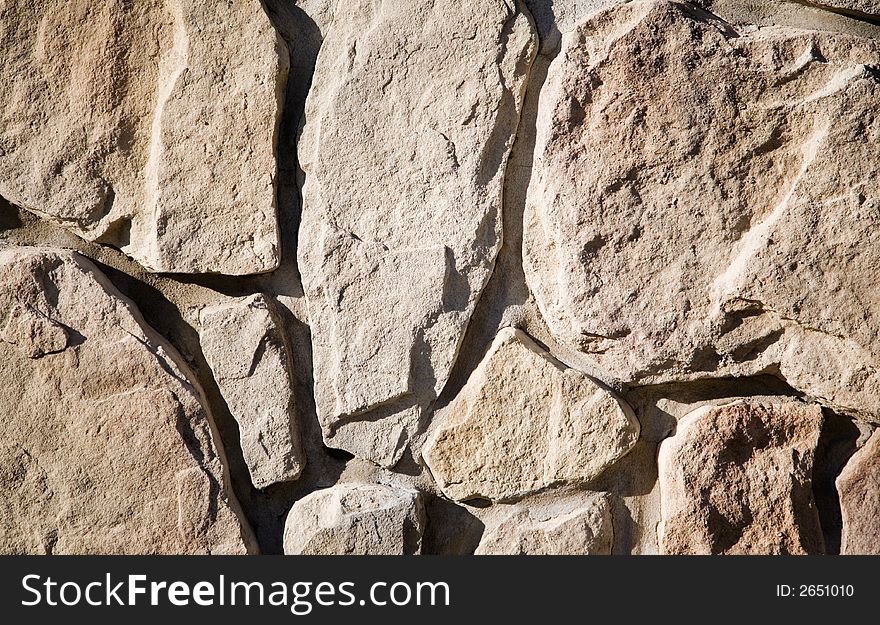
[{"x": 400, "y": 276}]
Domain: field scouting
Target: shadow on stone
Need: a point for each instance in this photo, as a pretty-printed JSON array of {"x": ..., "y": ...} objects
[
  {"x": 837, "y": 443},
  {"x": 451, "y": 529}
]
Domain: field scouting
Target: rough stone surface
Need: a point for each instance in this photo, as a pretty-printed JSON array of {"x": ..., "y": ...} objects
[
  {"x": 868, "y": 8},
  {"x": 721, "y": 234},
  {"x": 106, "y": 447},
  {"x": 332, "y": 214},
  {"x": 524, "y": 422},
  {"x": 579, "y": 527},
  {"x": 859, "y": 489},
  {"x": 736, "y": 479},
  {"x": 244, "y": 344},
  {"x": 148, "y": 126},
  {"x": 402, "y": 199},
  {"x": 355, "y": 519}
]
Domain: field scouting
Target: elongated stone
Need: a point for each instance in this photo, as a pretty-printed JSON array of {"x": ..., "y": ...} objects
[
  {"x": 858, "y": 487},
  {"x": 401, "y": 218},
  {"x": 244, "y": 345}
]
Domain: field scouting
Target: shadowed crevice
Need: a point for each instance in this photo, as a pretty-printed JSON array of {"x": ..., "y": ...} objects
[
  {"x": 303, "y": 38},
  {"x": 837, "y": 442},
  {"x": 450, "y": 529},
  {"x": 506, "y": 287},
  {"x": 10, "y": 219}
]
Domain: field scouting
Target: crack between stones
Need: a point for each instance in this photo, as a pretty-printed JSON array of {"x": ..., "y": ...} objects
[
  {"x": 838, "y": 441},
  {"x": 506, "y": 285},
  {"x": 268, "y": 508}
]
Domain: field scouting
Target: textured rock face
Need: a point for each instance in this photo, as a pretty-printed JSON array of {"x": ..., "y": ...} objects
[
  {"x": 736, "y": 479},
  {"x": 105, "y": 445},
  {"x": 546, "y": 276},
  {"x": 524, "y": 422},
  {"x": 868, "y": 7},
  {"x": 859, "y": 489},
  {"x": 244, "y": 345},
  {"x": 401, "y": 201},
  {"x": 355, "y": 519},
  {"x": 581, "y": 526},
  {"x": 148, "y": 126},
  {"x": 721, "y": 233}
]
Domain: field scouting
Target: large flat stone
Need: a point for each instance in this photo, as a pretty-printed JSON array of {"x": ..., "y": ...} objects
[
  {"x": 149, "y": 126},
  {"x": 401, "y": 219},
  {"x": 701, "y": 199},
  {"x": 106, "y": 446}
]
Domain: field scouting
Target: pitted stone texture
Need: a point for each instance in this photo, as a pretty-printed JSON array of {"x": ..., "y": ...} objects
[
  {"x": 866, "y": 7},
  {"x": 857, "y": 8},
  {"x": 355, "y": 519},
  {"x": 401, "y": 219},
  {"x": 720, "y": 234},
  {"x": 523, "y": 422},
  {"x": 580, "y": 526},
  {"x": 106, "y": 447},
  {"x": 149, "y": 126},
  {"x": 737, "y": 479},
  {"x": 859, "y": 489},
  {"x": 244, "y": 345}
]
